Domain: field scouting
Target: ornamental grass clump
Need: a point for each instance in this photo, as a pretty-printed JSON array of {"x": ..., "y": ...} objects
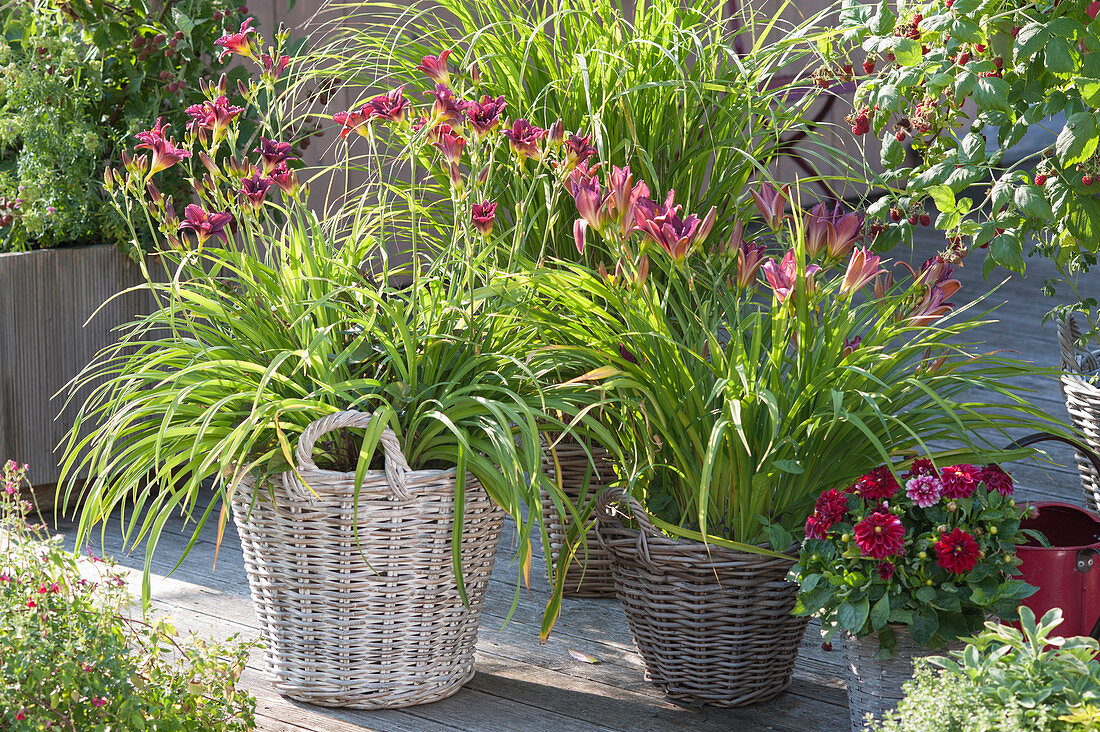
[
  {"x": 754, "y": 375},
  {"x": 77, "y": 655},
  {"x": 933, "y": 549},
  {"x": 686, "y": 96}
]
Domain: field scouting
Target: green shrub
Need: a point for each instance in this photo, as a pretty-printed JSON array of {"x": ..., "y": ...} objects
[
  {"x": 75, "y": 657},
  {"x": 1005, "y": 680}
]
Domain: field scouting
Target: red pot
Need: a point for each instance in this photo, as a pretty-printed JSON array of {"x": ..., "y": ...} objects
[{"x": 1068, "y": 572}]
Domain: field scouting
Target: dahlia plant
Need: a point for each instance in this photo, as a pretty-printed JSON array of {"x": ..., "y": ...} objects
[{"x": 911, "y": 544}]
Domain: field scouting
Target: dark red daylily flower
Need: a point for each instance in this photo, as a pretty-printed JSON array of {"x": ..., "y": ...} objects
[
  {"x": 285, "y": 178},
  {"x": 485, "y": 115},
  {"x": 445, "y": 107},
  {"x": 238, "y": 42},
  {"x": 254, "y": 189},
  {"x": 578, "y": 151},
  {"x": 205, "y": 225},
  {"x": 274, "y": 67},
  {"x": 390, "y": 107},
  {"x": 165, "y": 153},
  {"x": 214, "y": 116},
  {"x": 957, "y": 552},
  {"x": 524, "y": 138},
  {"x": 272, "y": 153},
  {"x": 450, "y": 144},
  {"x": 435, "y": 67},
  {"x": 483, "y": 216},
  {"x": 349, "y": 121}
]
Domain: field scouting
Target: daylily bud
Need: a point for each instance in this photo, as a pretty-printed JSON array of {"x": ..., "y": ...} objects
[
  {"x": 210, "y": 165},
  {"x": 556, "y": 135},
  {"x": 108, "y": 179}
]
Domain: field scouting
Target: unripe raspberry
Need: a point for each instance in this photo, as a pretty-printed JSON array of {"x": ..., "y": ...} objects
[
  {"x": 1041, "y": 179},
  {"x": 891, "y": 57},
  {"x": 178, "y": 35}
]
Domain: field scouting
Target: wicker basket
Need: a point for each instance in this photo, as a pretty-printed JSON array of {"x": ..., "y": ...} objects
[
  {"x": 1082, "y": 402},
  {"x": 713, "y": 625},
  {"x": 340, "y": 632},
  {"x": 874, "y": 685},
  {"x": 566, "y": 463}
]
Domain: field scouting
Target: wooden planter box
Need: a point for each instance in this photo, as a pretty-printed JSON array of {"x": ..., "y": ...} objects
[{"x": 46, "y": 338}]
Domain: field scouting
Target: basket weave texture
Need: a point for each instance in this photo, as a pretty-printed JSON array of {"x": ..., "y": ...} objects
[
  {"x": 713, "y": 625},
  {"x": 874, "y": 686},
  {"x": 339, "y": 631},
  {"x": 1082, "y": 402},
  {"x": 565, "y": 462}
]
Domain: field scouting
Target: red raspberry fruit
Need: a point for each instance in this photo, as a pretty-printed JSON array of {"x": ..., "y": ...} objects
[
  {"x": 1086, "y": 180},
  {"x": 925, "y": 220},
  {"x": 1041, "y": 179},
  {"x": 869, "y": 65}
]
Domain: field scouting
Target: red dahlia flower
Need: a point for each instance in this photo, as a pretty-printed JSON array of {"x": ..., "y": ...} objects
[
  {"x": 922, "y": 466},
  {"x": 996, "y": 479},
  {"x": 832, "y": 506},
  {"x": 878, "y": 485},
  {"x": 238, "y": 42},
  {"x": 959, "y": 481},
  {"x": 886, "y": 570},
  {"x": 957, "y": 552},
  {"x": 814, "y": 528},
  {"x": 880, "y": 535}
]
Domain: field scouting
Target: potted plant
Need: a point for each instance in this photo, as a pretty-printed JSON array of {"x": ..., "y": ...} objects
[
  {"x": 79, "y": 78},
  {"x": 741, "y": 404},
  {"x": 1005, "y": 679},
  {"x": 907, "y": 559},
  {"x": 368, "y": 552}
]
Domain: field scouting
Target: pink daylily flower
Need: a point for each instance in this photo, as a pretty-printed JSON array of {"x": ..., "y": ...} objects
[
  {"x": 772, "y": 203},
  {"x": 451, "y": 145},
  {"x": 165, "y": 153},
  {"x": 863, "y": 268},
  {"x": 350, "y": 121},
  {"x": 435, "y": 67},
  {"x": 578, "y": 150},
  {"x": 285, "y": 178},
  {"x": 623, "y": 197},
  {"x": 783, "y": 275},
  {"x": 205, "y": 225},
  {"x": 676, "y": 236},
  {"x": 750, "y": 257},
  {"x": 445, "y": 107},
  {"x": 238, "y": 42}
]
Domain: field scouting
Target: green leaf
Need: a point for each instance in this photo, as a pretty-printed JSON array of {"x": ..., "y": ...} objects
[
  {"x": 1061, "y": 60},
  {"x": 1078, "y": 139},
  {"x": 880, "y": 612},
  {"x": 1083, "y": 221},
  {"x": 1006, "y": 249},
  {"x": 925, "y": 594},
  {"x": 1030, "y": 200},
  {"x": 1089, "y": 89},
  {"x": 884, "y": 21},
  {"x": 965, "y": 29},
  {"x": 893, "y": 152},
  {"x": 924, "y": 626},
  {"x": 991, "y": 92},
  {"x": 183, "y": 22},
  {"x": 943, "y": 196},
  {"x": 907, "y": 52},
  {"x": 852, "y": 615}
]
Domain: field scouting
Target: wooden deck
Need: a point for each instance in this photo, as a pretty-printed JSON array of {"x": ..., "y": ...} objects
[{"x": 521, "y": 685}]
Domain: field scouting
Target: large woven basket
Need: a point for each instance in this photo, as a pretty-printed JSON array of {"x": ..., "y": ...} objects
[
  {"x": 1082, "y": 402},
  {"x": 713, "y": 625},
  {"x": 366, "y": 616},
  {"x": 874, "y": 685},
  {"x": 565, "y": 461}
]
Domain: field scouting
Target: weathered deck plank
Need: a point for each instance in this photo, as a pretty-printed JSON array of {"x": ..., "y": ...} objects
[{"x": 522, "y": 685}]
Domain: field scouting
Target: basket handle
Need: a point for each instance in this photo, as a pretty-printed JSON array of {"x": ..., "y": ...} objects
[
  {"x": 396, "y": 464},
  {"x": 1049, "y": 436},
  {"x": 1068, "y": 333}
]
